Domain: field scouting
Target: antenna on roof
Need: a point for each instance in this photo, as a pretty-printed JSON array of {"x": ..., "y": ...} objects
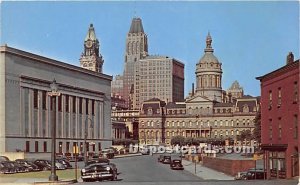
[{"x": 134, "y": 9}]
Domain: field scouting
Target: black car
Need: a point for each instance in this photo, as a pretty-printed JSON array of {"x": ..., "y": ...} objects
[
  {"x": 160, "y": 158},
  {"x": 65, "y": 162},
  {"x": 7, "y": 169},
  {"x": 43, "y": 164},
  {"x": 176, "y": 164},
  {"x": 98, "y": 160},
  {"x": 13, "y": 165},
  {"x": 255, "y": 174},
  {"x": 31, "y": 167},
  {"x": 166, "y": 159},
  {"x": 97, "y": 172}
]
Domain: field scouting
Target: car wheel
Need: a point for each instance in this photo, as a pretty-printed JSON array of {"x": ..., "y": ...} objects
[{"x": 45, "y": 169}]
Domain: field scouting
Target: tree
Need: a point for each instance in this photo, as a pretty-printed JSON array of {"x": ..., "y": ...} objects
[
  {"x": 177, "y": 140},
  {"x": 257, "y": 127}
]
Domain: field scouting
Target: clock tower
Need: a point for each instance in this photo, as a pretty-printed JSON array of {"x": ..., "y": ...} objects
[{"x": 91, "y": 59}]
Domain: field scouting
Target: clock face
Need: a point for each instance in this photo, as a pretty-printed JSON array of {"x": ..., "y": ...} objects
[{"x": 88, "y": 44}]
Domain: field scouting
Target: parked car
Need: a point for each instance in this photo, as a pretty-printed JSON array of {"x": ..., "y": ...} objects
[
  {"x": 255, "y": 174},
  {"x": 65, "y": 162},
  {"x": 241, "y": 176},
  {"x": 43, "y": 164},
  {"x": 18, "y": 168},
  {"x": 160, "y": 158},
  {"x": 176, "y": 164},
  {"x": 30, "y": 165},
  {"x": 145, "y": 151},
  {"x": 98, "y": 171},
  {"x": 251, "y": 174},
  {"x": 166, "y": 159},
  {"x": 59, "y": 166},
  {"x": 7, "y": 169},
  {"x": 108, "y": 153}
]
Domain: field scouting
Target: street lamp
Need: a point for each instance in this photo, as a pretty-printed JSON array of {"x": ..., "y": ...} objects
[
  {"x": 54, "y": 93},
  {"x": 85, "y": 136}
]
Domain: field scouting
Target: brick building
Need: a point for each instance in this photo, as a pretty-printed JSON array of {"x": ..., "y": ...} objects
[{"x": 280, "y": 120}]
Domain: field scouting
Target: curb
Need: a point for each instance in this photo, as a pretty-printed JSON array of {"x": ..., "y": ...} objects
[
  {"x": 129, "y": 155},
  {"x": 62, "y": 182}
]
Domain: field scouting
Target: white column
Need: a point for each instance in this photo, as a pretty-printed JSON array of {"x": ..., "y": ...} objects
[
  {"x": 63, "y": 115},
  {"x": 39, "y": 115},
  {"x": 77, "y": 118},
  {"x": 30, "y": 112}
]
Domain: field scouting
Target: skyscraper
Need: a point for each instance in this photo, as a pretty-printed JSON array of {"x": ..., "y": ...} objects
[
  {"x": 136, "y": 49},
  {"x": 91, "y": 59}
]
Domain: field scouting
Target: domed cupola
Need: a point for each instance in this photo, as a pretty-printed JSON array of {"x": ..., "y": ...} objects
[{"x": 209, "y": 73}]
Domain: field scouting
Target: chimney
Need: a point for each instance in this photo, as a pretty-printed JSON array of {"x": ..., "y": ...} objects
[
  {"x": 290, "y": 58},
  {"x": 193, "y": 89}
]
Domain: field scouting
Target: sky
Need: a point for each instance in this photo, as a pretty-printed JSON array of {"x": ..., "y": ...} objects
[{"x": 250, "y": 38}]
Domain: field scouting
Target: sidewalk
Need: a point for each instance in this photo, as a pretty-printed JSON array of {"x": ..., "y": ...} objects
[
  {"x": 30, "y": 181},
  {"x": 204, "y": 172}
]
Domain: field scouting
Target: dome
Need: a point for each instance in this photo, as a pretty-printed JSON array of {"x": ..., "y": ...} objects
[{"x": 209, "y": 56}]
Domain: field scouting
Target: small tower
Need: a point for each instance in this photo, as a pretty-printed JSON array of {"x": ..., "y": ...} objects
[
  {"x": 91, "y": 59},
  {"x": 209, "y": 74}
]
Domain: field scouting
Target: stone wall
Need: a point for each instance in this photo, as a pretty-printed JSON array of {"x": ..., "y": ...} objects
[{"x": 228, "y": 166}]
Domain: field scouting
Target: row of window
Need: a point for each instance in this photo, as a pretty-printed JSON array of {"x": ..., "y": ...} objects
[
  {"x": 272, "y": 127},
  {"x": 67, "y": 147},
  {"x": 66, "y": 106},
  {"x": 279, "y": 96}
]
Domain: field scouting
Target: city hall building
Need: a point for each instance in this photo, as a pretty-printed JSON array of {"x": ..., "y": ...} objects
[{"x": 83, "y": 105}]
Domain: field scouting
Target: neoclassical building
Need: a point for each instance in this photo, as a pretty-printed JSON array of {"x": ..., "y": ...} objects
[
  {"x": 208, "y": 111},
  {"x": 26, "y": 110}
]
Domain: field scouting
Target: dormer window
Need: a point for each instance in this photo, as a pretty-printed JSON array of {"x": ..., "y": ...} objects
[
  {"x": 149, "y": 111},
  {"x": 245, "y": 108}
]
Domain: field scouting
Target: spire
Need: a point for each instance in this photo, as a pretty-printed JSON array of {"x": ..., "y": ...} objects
[
  {"x": 91, "y": 35},
  {"x": 208, "y": 43},
  {"x": 136, "y": 26}
]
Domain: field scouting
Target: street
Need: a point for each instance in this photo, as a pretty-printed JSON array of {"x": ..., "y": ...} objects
[{"x": 145, "y": 170}]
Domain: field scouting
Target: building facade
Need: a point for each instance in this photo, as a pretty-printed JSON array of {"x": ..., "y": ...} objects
[
  {"x": 25, "y": 117},
  {"x": 208, "y": 111},
  {"x": 160, "y": 77},
  {"x": 280, "y": 120}
]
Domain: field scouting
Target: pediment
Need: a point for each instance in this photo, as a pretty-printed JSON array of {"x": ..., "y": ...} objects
[{"x": 197, "y": 99}]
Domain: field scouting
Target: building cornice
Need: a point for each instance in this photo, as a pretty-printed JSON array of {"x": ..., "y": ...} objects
[
  {"x": 49, "y": 61},
  {"x": 282, "y": 70}
]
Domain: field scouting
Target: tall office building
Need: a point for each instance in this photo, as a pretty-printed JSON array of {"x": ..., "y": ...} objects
[
  {"x": 158, "y": 77},
  {"x": 136, "y": 49}
]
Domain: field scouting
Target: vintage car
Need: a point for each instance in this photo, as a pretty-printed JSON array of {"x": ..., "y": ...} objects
[
  {"x": 251, "y": 174},
  {"x": 176, "y": 164},
  {"x": 160, "y": 158},
  {"x": 5, "y": 168},
  {"x": 108, "y": 153},
  {"x": 166, "y": 159},
  {"x": 97, "y": 172},
  {"x": 43, "y": 164},
  {"x": 31, "y": 167},
  {"x": 241, "y": 176},
  {"x": 103, "y": 161}
]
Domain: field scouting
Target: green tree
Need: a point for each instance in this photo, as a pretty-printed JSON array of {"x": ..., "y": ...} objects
[{"x": 177, "y": 140}]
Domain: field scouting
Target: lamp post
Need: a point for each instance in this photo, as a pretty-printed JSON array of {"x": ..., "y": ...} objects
[
  {"x": 54, "y": 93},
  {"x": 85, "y": 137}
]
